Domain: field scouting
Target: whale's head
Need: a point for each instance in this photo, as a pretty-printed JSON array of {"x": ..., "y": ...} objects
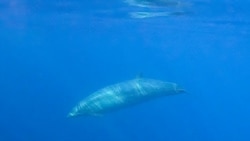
[
  {"x": 81, "y": 110},
  {"x": 73, "y": 113},
  {"x": 77, "y": 111}
]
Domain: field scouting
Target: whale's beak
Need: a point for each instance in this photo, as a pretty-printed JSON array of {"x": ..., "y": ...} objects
[{"x": 70, "y": 115}]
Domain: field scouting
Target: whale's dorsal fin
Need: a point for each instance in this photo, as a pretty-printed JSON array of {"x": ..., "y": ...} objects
[{"x": 139, "y": 76}]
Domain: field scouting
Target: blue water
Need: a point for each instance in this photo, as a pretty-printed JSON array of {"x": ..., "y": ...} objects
[{"x": 54, "y": 53}]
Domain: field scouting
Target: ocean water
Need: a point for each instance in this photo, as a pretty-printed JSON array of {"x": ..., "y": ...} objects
[{"x": 53, "y": 53}]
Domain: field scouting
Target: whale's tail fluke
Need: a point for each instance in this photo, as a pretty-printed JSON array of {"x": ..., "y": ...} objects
[
  {"x": 182, "y": 91},
  {"x": 179, "y": 89}
]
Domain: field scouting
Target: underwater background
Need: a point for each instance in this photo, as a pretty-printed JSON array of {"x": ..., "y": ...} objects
[{"x": 53, "y": 53}]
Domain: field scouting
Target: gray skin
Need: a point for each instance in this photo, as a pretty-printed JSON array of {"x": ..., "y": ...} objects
[{"x": 122, "y": 95}]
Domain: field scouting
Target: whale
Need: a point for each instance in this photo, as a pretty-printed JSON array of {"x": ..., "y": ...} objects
[
  {"x": 155, "y": 3},
  {"x": 123, "y": 94},
  {"x": 158, "y": 8}
]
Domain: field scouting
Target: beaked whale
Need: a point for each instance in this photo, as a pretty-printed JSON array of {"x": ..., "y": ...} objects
[{"x": 124, "y": 94}]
